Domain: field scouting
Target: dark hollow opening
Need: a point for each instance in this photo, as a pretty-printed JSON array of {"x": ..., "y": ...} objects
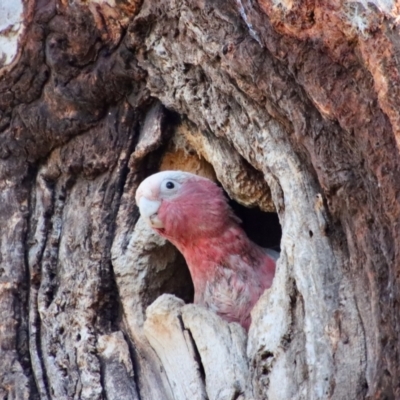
[{"x": 261, "y": 227}]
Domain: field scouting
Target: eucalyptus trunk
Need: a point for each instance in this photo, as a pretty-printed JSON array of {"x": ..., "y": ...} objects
[{"x": 293, "y": 107}]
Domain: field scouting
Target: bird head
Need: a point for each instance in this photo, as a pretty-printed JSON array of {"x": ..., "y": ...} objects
[{"x": 179, "y": 204}]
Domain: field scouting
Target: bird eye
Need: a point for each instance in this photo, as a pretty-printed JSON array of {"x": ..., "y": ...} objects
[{"x": 169, "y": 187}]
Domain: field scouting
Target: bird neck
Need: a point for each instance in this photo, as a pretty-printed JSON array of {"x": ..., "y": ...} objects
[{"x": 205, "y": 254}]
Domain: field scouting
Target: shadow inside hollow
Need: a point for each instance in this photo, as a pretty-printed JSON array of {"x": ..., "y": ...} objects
[{"x": 261, "y": 227}]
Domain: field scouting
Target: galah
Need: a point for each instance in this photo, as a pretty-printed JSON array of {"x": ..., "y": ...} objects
[{"x": 229, "y": 271}]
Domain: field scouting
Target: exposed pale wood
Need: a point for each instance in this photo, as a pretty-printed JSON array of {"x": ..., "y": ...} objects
[
  {"x": 192, "y": 341},
  {"x": 222, "y": 349},
  {"x": 240, "y": 180},
  {"x": 173, "y": 344}
]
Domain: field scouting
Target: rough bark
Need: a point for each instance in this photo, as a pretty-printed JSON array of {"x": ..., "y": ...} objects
[{"x": 292, "y": 106}]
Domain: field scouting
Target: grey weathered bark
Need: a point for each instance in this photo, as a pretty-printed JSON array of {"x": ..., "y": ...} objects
[{"x": 292, "y": 106}]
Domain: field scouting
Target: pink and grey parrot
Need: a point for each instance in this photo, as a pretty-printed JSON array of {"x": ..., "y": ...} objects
[{"x": 229, "y": 271}]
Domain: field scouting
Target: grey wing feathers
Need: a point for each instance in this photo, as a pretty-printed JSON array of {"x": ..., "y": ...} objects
[{"x": 272, "y": 253}]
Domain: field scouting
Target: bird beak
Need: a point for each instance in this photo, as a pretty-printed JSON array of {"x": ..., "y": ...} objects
[{"x": 148, "y": 210}]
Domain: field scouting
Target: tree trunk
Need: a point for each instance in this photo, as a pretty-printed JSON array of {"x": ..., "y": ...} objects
[{"x": 294, "y": 107}]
